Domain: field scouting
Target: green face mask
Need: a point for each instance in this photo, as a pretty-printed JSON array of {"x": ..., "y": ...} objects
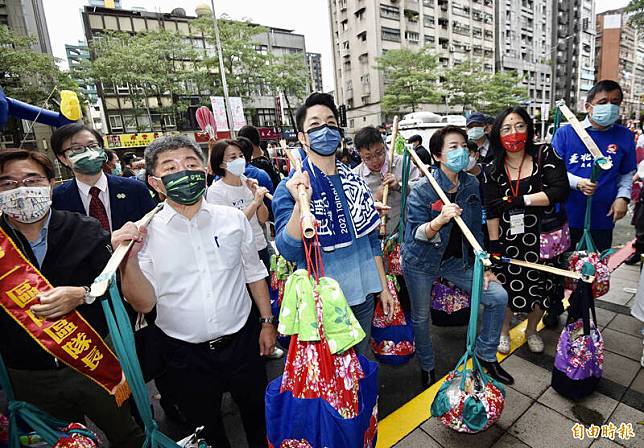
[
  {"x": 89, "y": 161},
  {"x": 185, "y": 187}
]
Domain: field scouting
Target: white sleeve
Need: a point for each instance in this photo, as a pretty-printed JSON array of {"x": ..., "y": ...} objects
[
  {"x": 217, "y": 196},
  {"x": 147, "y": 267},
  {"x": 254, "y": 269}
]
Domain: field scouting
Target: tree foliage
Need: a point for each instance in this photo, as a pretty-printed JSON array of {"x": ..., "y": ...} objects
[
  {"x": 410, "y": 79},
  {"x": 26, "y": 74},
  {"x": 636, "y": 10}
]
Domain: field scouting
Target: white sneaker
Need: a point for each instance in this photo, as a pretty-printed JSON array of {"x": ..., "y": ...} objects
[
  {"x": 642, "y": 360},
  {"x": 535, "y": 343},
  {"x": 277, "y": 353},
  {"x": 504, "y": 345}
]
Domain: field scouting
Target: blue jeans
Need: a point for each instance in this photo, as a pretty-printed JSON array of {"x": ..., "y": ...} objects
[
  {"x": 494, "y": 301},
  {"x": 364, "y": 314}
]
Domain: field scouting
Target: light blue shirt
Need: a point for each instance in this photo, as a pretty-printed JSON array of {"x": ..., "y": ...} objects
[
  {"x": 39, "y": 247},
  {"x": 353, "y": 267}
]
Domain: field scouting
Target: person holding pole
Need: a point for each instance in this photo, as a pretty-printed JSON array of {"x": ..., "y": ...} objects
[
  {"x": 377, "y": 172},
  {"x": 435, "y": 246},
  {"x": 524, "y": 188},
  {"x": 345, "y": 212}
]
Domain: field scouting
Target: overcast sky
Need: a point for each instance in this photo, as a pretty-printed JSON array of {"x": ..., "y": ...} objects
[{"x": 308, "y": 17}]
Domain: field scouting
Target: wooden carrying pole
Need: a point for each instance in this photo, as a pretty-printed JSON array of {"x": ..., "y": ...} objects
[
  {"x": 466, "y": 231},
  {"x": 385, "y": 191},
  {"x": 604, "y": 164},
  {"x": 548, "y": 269},
  {"x": 99, "y": 287},
  {"x": 308, "y": 221}
]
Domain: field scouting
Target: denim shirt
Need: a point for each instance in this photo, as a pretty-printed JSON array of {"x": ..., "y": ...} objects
[
  {"x": 426, "y": 256},
  {"x": 353, "y": 267}
]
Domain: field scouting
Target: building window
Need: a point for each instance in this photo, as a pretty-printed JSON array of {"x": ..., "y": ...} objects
[
  {"x": 429, "y": 21},
  {"x": 125, "y": 24},
  {"x": 428, "y": 3},
  {"x": 390, "y": 34},
  {"x": 429, "y": 40},
  {"x": 412, "y": 37},
  {"x": 116, "y": 123},
  {"x": 266, "y": 118},
  {"x": 122, "y": 90},
  {"x": 143, "y": 123},
  {"x": 412, "y": 15},
  {"x": 362, "y": 37},
  {"x": 95, "y": 22},
  {"x": 169, "y": 121},
  {"x": 390, "y": 12},
  {"x": 111, "y": 23},
  {"x": 360, "y": 13},
  {"x": 344, "y": 25},
  {"x": 129, "y": 123}
]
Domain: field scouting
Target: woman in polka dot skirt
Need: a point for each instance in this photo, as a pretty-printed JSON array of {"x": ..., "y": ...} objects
[{"x": 519, "y": 191}]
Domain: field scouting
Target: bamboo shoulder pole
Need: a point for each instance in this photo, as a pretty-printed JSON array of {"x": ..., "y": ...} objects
[
  {"x": 466, "y": 231},
  {"x": 385, "y": 191},
  {"x": 308, "y": 220},
  {"x": 102, "y": 282},
  {"x": 583, "y": 135}
]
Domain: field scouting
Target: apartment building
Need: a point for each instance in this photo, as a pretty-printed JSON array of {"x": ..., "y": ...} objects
[
  {"x": 260, "y": 110},
  {"x": 573, "y": 36},
  {"x": 620, "y": 57},
  {"x": 314, "y": 64},
  {"x": 524, "y": 32},
  {"x": 362, "y": 30}
]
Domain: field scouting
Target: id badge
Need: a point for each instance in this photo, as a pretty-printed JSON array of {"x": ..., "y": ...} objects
[{"x": 517, "y": 222}]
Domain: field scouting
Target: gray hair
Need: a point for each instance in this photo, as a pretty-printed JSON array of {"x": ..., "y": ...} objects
[{"x": 169, "y": 143}]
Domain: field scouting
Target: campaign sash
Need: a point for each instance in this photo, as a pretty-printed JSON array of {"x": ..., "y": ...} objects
[{"x": 70, "y": 339}]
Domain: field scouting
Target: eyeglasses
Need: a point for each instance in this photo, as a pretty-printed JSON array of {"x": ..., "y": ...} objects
[
  {"x": 33, "y": 181},
  {"x": 519, "y": 127},
  {"x": 76, "y": 150},
  {"x": 376, "y": 156}
]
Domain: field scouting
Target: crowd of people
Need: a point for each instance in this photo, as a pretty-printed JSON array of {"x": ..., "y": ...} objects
[{"x": 199, "y": 270}]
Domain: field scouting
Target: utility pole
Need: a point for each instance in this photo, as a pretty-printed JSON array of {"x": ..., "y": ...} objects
[{"x": 222, "y": 72}]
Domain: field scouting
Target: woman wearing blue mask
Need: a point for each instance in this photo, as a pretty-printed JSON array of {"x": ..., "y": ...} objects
[{"x": 434, "y": 247}]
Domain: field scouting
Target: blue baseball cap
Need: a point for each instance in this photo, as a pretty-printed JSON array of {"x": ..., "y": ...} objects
[{"x": 476, "y": 118}]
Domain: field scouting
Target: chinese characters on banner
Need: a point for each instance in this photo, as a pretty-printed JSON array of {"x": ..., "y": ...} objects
[{"x": 219, "y": 111}]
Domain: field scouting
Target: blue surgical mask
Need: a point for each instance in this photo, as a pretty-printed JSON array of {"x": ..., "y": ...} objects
[
  {"x": 457, "y": 159},
  {"x": 475, "y": 133},
  {"x": 605, "y": 114},
  {"x": 324, "y": 140}
]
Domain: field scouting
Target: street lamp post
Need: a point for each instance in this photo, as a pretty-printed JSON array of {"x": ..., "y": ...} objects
[{"x": 222, "y": 72}]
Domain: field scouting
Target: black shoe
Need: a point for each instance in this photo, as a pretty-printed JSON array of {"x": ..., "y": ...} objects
[
  {"x": 633, "y": 259},
  {"x": 551, "y": 319},
  {"x": 497, "y": 372},
  {"x": 427, "y": 378}
]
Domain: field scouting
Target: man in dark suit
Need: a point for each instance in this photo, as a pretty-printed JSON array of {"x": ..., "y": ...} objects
[{"x": 112, "y": 200}]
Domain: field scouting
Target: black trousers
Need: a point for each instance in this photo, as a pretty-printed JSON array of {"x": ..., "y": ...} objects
[{"x": 200, "y": 376}]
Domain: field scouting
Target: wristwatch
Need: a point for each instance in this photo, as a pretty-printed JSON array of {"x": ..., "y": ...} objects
[
  {"x": 267, "y": 320},
  {"x": 89, "y": 298}
]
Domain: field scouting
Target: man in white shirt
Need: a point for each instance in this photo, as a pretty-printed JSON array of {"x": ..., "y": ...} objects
[
  {"x": 194, "y": 262},
  {"x": 375, "y": 170}
]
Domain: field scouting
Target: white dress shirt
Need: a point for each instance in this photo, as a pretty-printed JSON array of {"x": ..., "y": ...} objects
[
  {"x": 199, "y": 269},
  {"x": 104, "y": 195}
]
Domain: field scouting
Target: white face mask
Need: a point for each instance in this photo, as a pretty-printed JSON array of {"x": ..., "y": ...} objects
[
  {"x": 26, "y": 204},
  {"x": 236, "y": 167},
  {"x": 471, "y": 163}
]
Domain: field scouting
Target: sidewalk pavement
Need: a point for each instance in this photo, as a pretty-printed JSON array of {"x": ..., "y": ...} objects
[{"x": 536, "y": 416}]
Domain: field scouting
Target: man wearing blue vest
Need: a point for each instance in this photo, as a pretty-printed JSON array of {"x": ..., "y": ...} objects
[{"x": 611, "y": 194}]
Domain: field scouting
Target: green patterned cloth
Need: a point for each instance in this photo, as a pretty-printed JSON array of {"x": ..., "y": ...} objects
[{"x": 298, "y": 314}]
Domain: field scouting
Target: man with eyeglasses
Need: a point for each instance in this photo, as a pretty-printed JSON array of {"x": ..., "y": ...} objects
[
  {"x": 377, "y": 173},
  {"x": 112, "y": 200},
  {"x": 69, "y": 251}
]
